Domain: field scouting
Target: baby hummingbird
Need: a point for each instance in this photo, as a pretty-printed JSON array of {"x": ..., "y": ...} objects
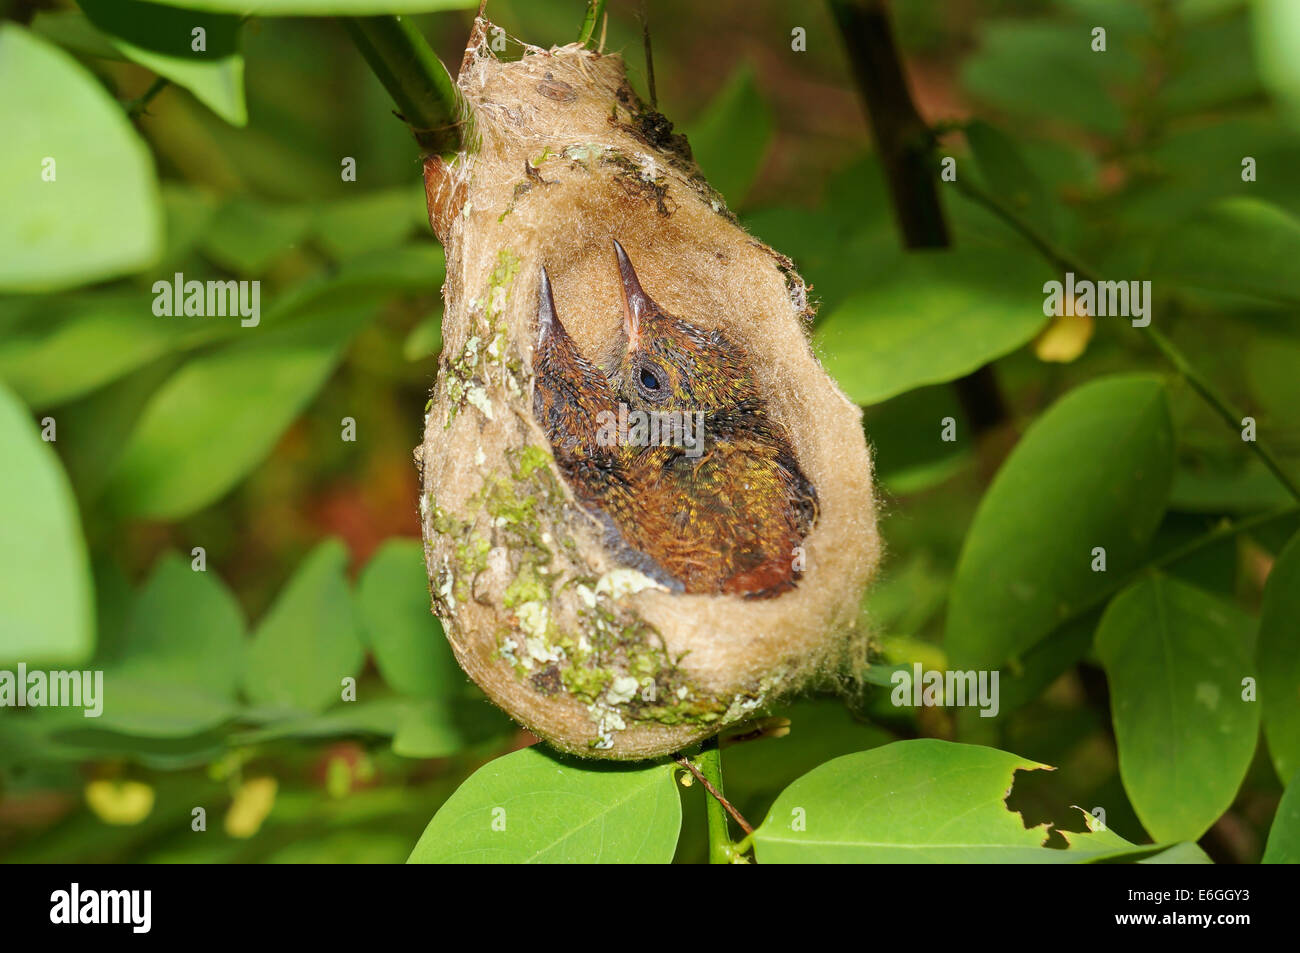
[{"x": 720, "y": 504}]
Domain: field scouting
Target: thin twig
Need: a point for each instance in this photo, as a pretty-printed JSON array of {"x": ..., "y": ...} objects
[
  {"x": 649, "y": 56},
  {"x": 689, "y": 765},
  {"x": 136, "y": 107},
  {"x": 903, "y": 142}
]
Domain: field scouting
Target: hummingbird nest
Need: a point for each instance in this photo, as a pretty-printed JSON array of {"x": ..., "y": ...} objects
[{"x": 588, "y": 643}]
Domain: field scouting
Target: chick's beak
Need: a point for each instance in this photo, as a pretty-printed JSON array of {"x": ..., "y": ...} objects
[
  {"x": 636, "y": 303},
  {"x": 547, "y": 322}
]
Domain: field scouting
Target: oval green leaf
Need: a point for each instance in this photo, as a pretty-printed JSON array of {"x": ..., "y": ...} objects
[
  {"x": 916, "y": 802},
  {"x": 322, "y": 8},
  {"x": 216, "y": 418},
  {"x": 1175, "y": 657},
  {"x": 178, "y": 669},
  {"x": 530, "y": 807},
  {"x": 1239, "y": 245},
  {"x": 46, "y": 604},
  {"x": 1093, "y": 471},
  {"x": 730, "y": 139},
  {"x": 77, "y": 184},
  {"x": 308, "y": 642},
  {"x": 403, "y": 633},
  {"x": 1009, "y": 177},
  {"x": 1279, "y": 660},
  {"x": 82, "y": 343},
  {"x": 934, "y": 317},
  {"x": 1284, "y": 836},
  {"x": 162, "y": 39}
]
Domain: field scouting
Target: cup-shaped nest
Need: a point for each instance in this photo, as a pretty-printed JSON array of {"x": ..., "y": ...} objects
[{"x": 624, "y": 592}]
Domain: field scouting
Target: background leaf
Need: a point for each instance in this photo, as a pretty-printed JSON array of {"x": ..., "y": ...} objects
[
  {"x": 1284, "y": 836},
  {"x": 90, "y": 341},
  {"x": 46, "y": 604},
  {"x": 1239, "y": 245},
  {"x": 932, "y": 318},
  {"x": 178, "y": 669},
  {"x": 1009, "y": 178},
  {"x": 404, "y": 635},
  {"x": 101, "y": 215},
  {"x": 160, "y": 38},
  {"x": 1175, "y": 658},
  {"x": 322, "y": 8},
  {"x": 221, "y": 413},
  {"x": 1094, "y": 470},
  {"x": 308, "y": 642},
  {"x": 1279, "y": 660},
  {"x": 730, "y": 138}
]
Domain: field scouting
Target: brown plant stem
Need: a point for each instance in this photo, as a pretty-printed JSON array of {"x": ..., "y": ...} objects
[{"x": 903, "y": 140}]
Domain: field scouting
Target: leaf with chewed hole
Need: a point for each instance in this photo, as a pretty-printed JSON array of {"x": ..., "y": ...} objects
[{"x": 915, "y": 802}]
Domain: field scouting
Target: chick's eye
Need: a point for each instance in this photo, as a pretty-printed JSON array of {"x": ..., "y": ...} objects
[{"x": 648, "y": 379}]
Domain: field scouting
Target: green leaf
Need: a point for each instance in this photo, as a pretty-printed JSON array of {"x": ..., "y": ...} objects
[
  {"x": 820, "y": 729},
  {"x": 396, "y": 615},
  {"x": 934, "y": 317},
  {"x": 100, "y": 216},
  {"x": 1175, "y": 657},
  {"x": 1240, "y": 245},
  {"x": 1010, "y": 179},
  {"x": 438, "y": 727},
  {"x": 161, "y": 38},
  {"x": 188, "y": 213},
  {"x": 1270, "y": 364},
  {"x": 181, "y": 659},
  {"x": 908, "y": 458},
  {"x": 1247, "y": 487},
  {"x": 730, "y": 139},
  {"x": 381, "y": 716},
  {"x": 87, "y": 342},
  {"x": 1284, "y": 836},
  {"x": 46, "y": 603},
  {"x": 72, "y": 31},
  {"x": 248, "y": 236},
  {"x": 1048, "y": 71},
  {"x": 308, "y": 641},
  {"x": 1279, "y": 660},
  {"x": 1186, "y": 853},
  {"x": 97, "y": 426},
  {"x": 531, "y": 807},
  {"x": 920, "y": 801},
  {"x": 1093, "y": 471},
  {"x": 1277, "y": 37},
  {"x": 222, "y": 412},
  {"x": 835, "y": 257},
  {"x": 424, "y": 340},
  {"x": 322, "y": 8},
  {"x": 369, "y": 222}
]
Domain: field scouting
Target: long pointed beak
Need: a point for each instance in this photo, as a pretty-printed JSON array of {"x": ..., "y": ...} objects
[
  {"x": 546, "y": 319},
  {"x": 636, "y": 303}
]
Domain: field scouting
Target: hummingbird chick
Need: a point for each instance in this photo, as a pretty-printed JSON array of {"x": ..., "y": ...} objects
[{"x": 707, "y": 499}]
